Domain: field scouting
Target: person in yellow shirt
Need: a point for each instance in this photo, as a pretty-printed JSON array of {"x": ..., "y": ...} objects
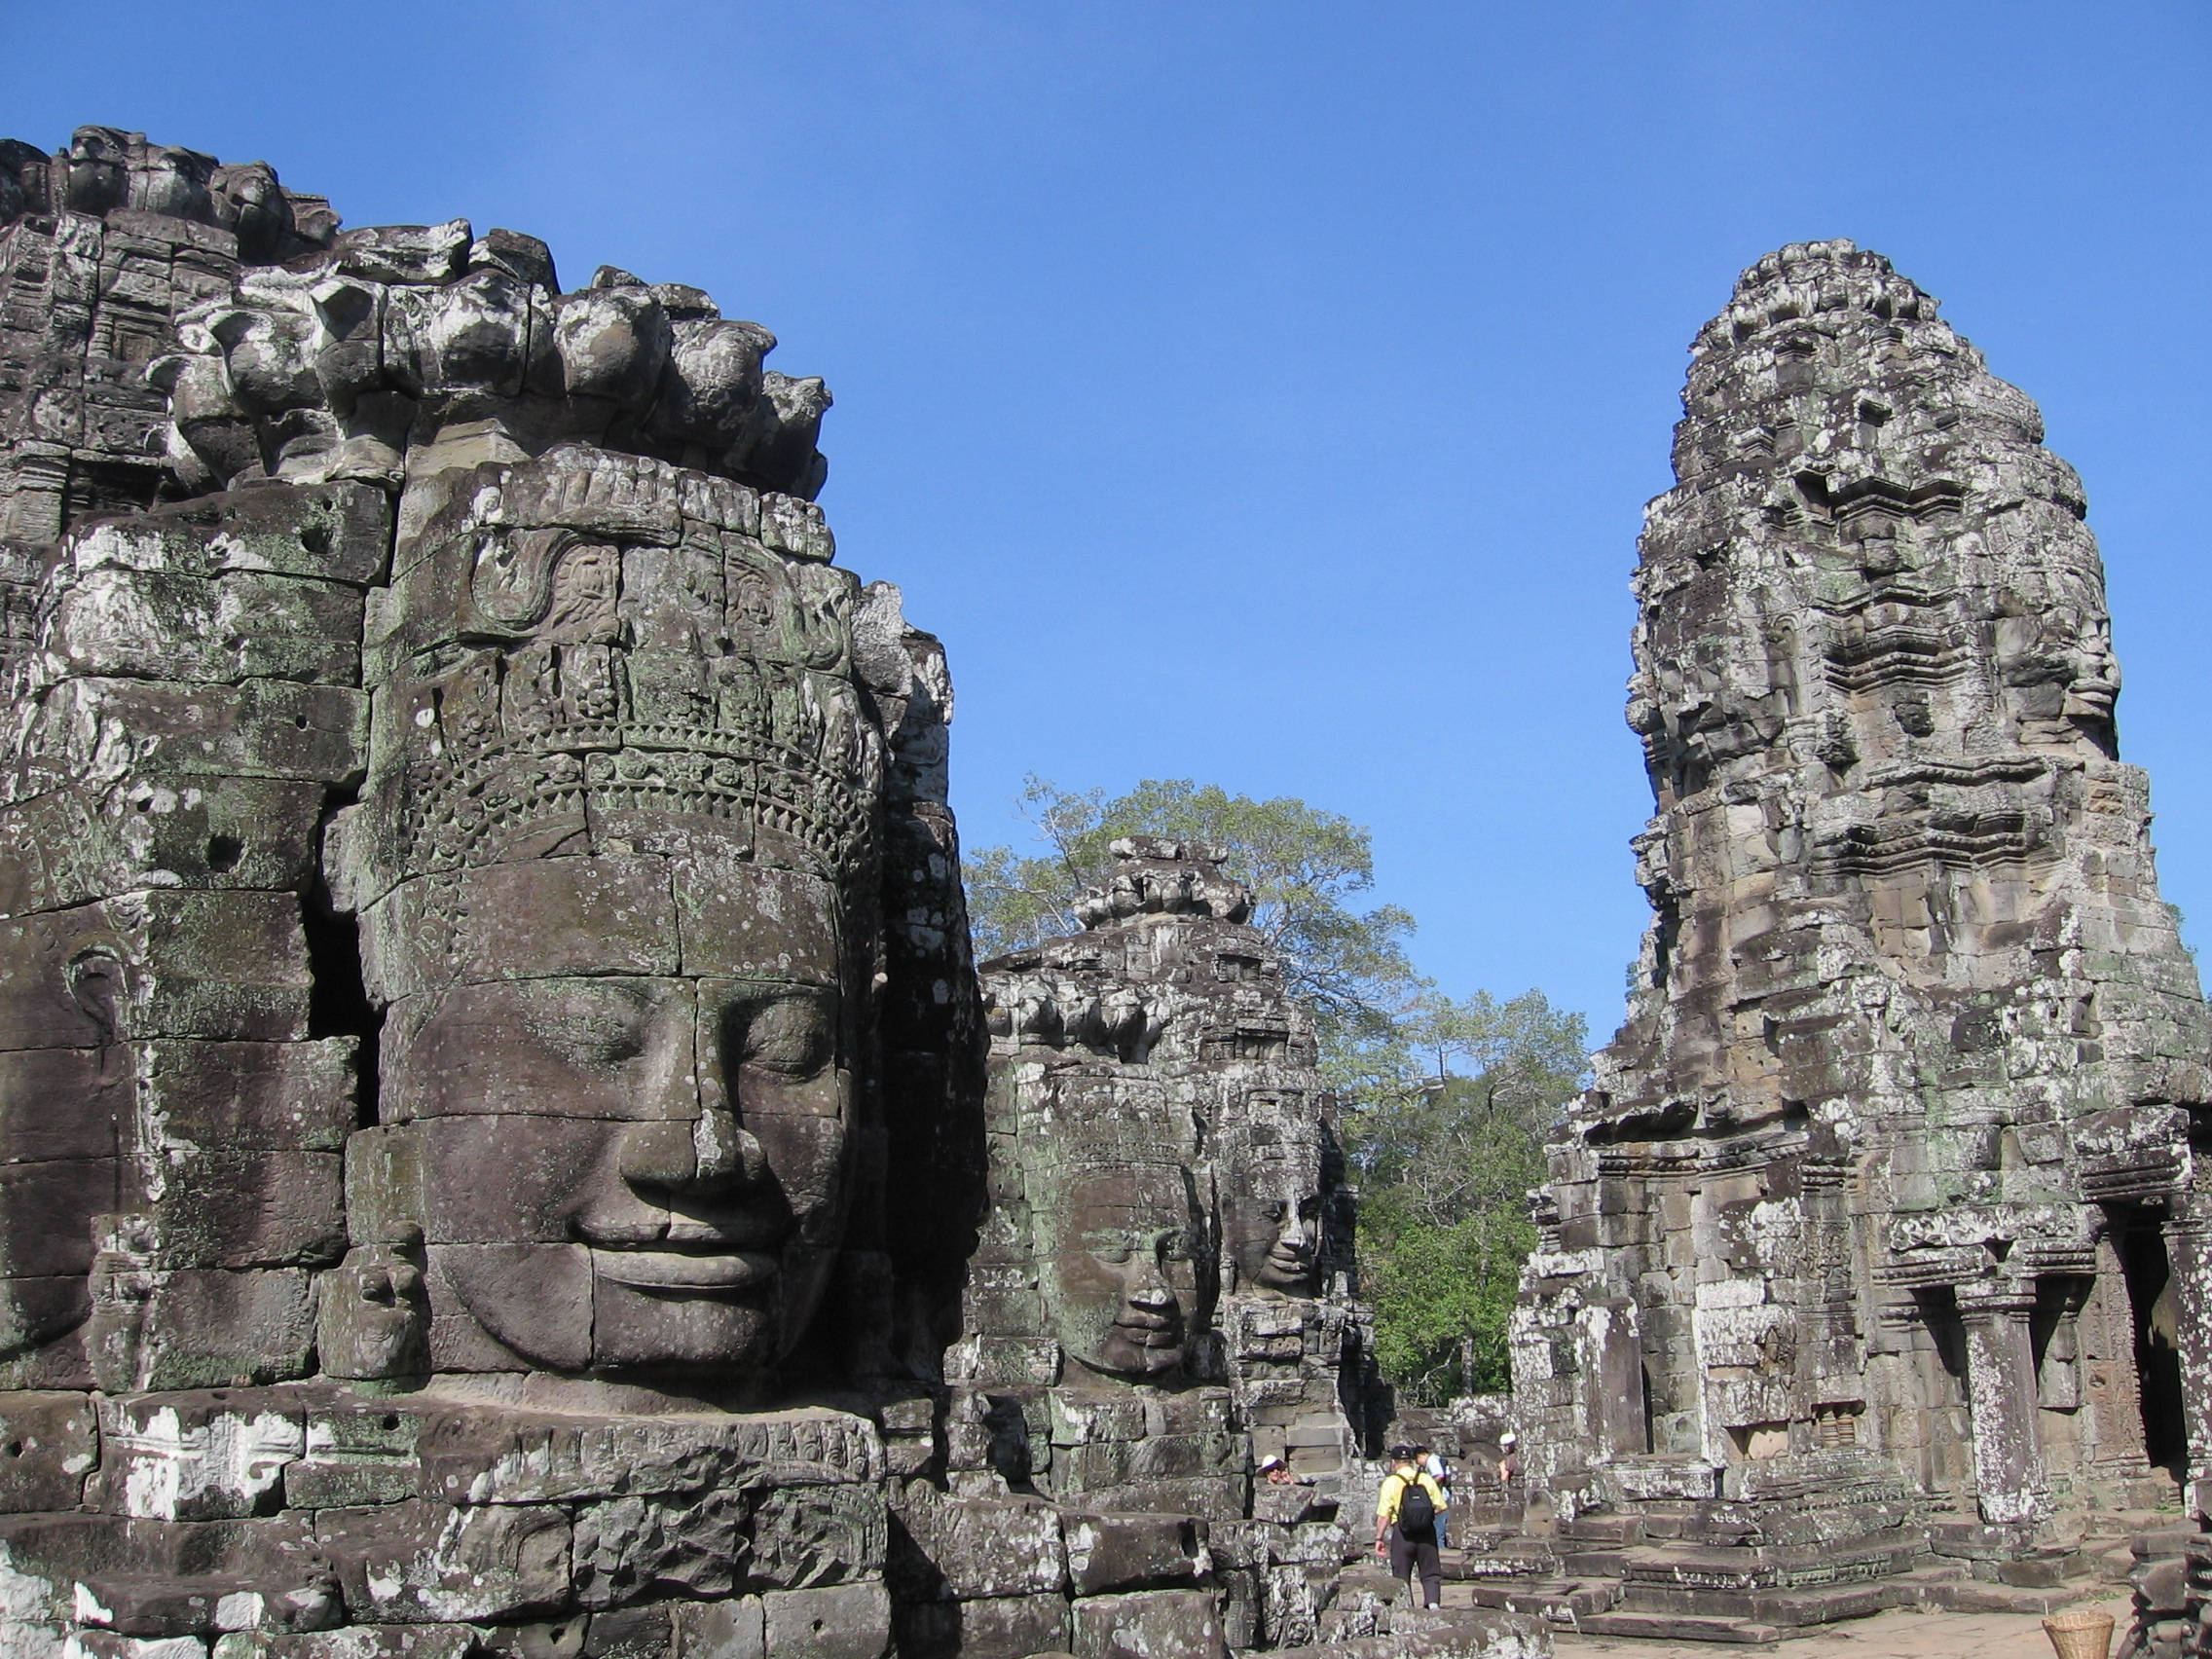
[{"x": 1406, "y": 1513}]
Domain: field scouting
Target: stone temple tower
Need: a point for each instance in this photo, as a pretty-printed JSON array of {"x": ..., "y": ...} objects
[{"x": 1880, "y": 1230}]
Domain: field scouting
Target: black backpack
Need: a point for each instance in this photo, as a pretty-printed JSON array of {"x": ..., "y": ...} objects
[{"x": 1417, "y": 1512}]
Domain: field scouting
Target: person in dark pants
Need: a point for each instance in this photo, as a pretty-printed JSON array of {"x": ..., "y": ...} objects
[{"x": 1406, "y": 1512}]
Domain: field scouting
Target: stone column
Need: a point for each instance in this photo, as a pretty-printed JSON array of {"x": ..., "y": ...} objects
[
  {"x": 2001, "y": 1394},
  {"x": 1614, "y": 1373},
  {"x": 2115, "y": 1392},
  {"x": 2188, "y": 1257}
]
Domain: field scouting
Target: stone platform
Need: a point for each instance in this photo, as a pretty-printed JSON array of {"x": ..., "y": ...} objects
[
  {"x": 1897, "y": 1634},
  {"x": 1654, "y": 1577}
]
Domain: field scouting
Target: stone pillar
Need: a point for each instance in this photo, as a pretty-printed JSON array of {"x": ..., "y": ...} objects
[
  {"x": 2189, "y": 1256},
  {"x": 1613, "y": 1369},
  {"x": 2001, "y": 1394},
  {"x": 2115, "y": 1390}
]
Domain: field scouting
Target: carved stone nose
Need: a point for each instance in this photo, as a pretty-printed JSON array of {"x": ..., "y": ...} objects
[
  {"x": 711, "y": 1153},
  {"x": 728, "y": 1153},
  {"x": 1152, "y": 1292}
]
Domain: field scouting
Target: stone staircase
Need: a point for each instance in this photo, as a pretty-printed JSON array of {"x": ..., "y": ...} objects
[{"x": 1705, "y": 1571}]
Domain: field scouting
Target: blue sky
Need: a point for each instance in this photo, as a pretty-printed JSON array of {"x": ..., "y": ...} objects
[{"x": 1268, "y": 392}]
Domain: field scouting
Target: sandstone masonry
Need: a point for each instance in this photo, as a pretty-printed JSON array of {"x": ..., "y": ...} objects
[{"x": 1881, "y": 1231}]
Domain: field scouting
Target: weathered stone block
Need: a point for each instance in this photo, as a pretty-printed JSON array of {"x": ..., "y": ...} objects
[
  {"x": 356, "y": 1641},
  {"x": 205, "y": 1455},
  {"x": 48, "y": 1443},
  {"x": 218, "y": 1207},
  {"x": 804, "y": 1536},
  {"x": 547, "y": 918},
  {"x": 198, "y": 1327},
  {"x": 1000, "y": 1301},
  {"x": 154, "y": 625},
  {"x": 779, "y": 922},
  {"x": 338, "y": 532},
  {"x": 593, "y": 1028},
  {"x": 1151, "y": 1624},
  {"x": 89, "y": 1087},
  {"x": 419, "y": 1563},
  {"x": 533, "y": 1169},
  {"x": 103, "y": 731},
  {"x": 265, "y": 1096},
  {"x": 995, "y": 1362},
  {"x": 224, "y": 966},
  {"x": 529, "y": 1457},
  {"x": 81, "y": 844},
  {"x": 691, "y": 1543},
  {"x": 970, "y": 1548},
  {"x": 1086, "y": 1420},
  {"x": 554, "y": 1281},
  {"x": 1134, "y": 1552},
  {"x": 1004, "y": 1627},
  {"x": 107, "y": 1644},
  {"x": 630, "y": 1633},
  {"x": 356, "y": 1452},
  {"x": 46, "y": 1209},
  {"x": 60, "y": 981},
  {"x": 844, "y": 1621},
  {"x": 735, "y": 1629}
]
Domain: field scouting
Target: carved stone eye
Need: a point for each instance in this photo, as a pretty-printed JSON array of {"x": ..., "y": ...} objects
[
  {"x": 790, "y": 1035},
  {"x": 594, "y": 1039}
]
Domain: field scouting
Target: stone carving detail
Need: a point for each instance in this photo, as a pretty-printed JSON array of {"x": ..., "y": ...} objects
[
  {"x": 492, "y": 1081},
  {"x": 1860, "y": 1240}
]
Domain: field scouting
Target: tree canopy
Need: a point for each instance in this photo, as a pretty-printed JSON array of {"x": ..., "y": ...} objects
[
  {"x": 1302, "y": 863},
  {"x": 1446, "y": 1161}
]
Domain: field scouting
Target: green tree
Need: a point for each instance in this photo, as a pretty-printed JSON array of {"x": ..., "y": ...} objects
[
  {"x": 1447, "y": 1158},
  {"x": 1302, "y": 863}
]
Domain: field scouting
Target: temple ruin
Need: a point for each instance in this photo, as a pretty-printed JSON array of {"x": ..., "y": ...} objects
[
  {"x": 504, "y": 1153},
  {"x": 503, "y": 1149},
  {"x": 1872, "y": 1268}
]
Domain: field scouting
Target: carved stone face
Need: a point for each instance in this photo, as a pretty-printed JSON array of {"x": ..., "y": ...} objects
[
  {"x": 633, "y": 1171},
  {"x": 1122, "y": 1277},
  {"x": 625, "y": 788},
  {"x": 1271, "y": 1216}
]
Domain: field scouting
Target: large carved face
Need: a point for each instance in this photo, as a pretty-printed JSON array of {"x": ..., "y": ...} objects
[
  {"x": 1271, "y": 1219},
  {"x": 633, "y": 1171},
  {"x": 628, "y": 787},
  {"x": 1123, "y": 1272}
]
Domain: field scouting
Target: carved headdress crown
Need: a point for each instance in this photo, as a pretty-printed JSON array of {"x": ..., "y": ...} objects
[{"x": 605, "y": 644}]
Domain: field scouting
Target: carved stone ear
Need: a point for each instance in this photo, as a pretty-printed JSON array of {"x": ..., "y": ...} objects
[
  {"x": 98, "y": 983},
  {"x": 161, "y": 373}
]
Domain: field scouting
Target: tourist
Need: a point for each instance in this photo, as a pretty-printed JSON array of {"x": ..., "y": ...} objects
[
  {"x": 1277, "y": 1472},
  {"x": 1406, "y": 1512},
  {"x": 1433, "y": 1466}
]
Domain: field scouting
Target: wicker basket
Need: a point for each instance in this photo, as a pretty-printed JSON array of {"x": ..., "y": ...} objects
[{"x": 2079, "y": 1635}]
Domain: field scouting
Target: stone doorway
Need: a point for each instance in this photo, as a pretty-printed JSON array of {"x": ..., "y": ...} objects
[{"x": 2149, "y": 1273}]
